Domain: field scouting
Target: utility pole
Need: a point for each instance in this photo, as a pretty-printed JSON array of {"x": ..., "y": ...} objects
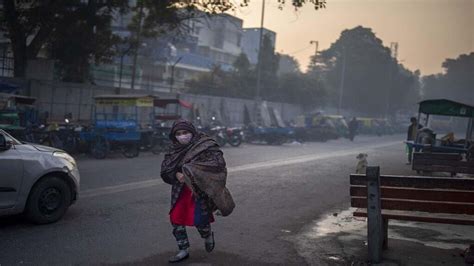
[
  {"x": 259, "y": 62},
  {"x": 137, "y": 44},
  {"x": 393, "y": 54},
  {"x": 258, "y": 114},
  {"x": 341, "y": 84},
  {"x": 315, "y": 61},
  {"x": 316, "y": 43}
]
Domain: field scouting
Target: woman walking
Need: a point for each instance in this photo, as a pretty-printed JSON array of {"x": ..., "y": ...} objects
[{"x": 196, "y": 170}]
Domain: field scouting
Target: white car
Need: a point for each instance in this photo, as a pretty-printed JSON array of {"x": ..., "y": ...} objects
[{"x": 39, "y": 181}]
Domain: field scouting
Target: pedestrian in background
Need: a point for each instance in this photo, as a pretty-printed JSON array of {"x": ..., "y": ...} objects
[
  {"x": 353, "y": 127},
  {"x": 196, "y": 169},
  {"x": 411, "y": 137}
]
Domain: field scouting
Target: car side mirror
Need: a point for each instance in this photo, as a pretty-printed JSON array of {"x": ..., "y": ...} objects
[{"x": 4, "y": 144}]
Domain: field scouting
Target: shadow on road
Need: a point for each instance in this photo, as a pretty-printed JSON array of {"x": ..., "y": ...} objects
[{"x": 197, "y": 257}]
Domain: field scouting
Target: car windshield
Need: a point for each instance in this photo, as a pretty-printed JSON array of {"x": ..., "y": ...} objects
[{"x": 10, "y": 138}]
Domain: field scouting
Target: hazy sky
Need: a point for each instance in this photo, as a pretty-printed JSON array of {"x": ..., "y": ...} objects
[{"x": 427, "y": 31}]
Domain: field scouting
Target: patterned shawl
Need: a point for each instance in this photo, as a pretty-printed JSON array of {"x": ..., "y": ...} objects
[{"x": 203, "y": 165}]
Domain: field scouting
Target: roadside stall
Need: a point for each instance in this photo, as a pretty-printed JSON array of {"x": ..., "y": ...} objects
[
  {"x": 117, "y": 124},
  {"x": 17, "y": 112},
  {"x": 445, "y": 154}
]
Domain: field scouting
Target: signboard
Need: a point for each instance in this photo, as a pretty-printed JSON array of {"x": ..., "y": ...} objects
[
  {"x": 145, "y": 102},
  {"x": 140, "y": 102}
]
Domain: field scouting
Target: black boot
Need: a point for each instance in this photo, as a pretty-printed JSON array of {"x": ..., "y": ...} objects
[{"x": 210, "y": 243}]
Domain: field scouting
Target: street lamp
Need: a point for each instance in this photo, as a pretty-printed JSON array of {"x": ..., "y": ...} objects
[
  {"x": 316, "y": 51},
  {"x": 341, "y": 84}
]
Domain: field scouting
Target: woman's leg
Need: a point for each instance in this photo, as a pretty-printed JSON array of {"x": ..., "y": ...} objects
[
  {"x": 208, "y": 235},
  {"x": 179, "y": 232},
  {"x": 204, "y": 230}
]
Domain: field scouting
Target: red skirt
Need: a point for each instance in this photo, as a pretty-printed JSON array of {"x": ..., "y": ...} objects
[{"x": 189, "y": 210}]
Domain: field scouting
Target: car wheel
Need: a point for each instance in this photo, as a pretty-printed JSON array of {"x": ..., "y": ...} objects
[
  {"x": 48, "y": 201},
  {"x": 100, "y": 148}
]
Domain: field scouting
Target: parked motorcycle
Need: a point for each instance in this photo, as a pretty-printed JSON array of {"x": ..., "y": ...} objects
[
  {"x": 160, "y": 141},
  {"x": 234, "y": 136}
]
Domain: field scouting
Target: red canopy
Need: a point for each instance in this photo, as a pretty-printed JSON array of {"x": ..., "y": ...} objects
[
  {"x": 186, "y": 104},
  {"x": 162, "y": 103}
]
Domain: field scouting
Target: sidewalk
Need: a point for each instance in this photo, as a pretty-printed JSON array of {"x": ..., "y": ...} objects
[{"x": 341, "y": 239}]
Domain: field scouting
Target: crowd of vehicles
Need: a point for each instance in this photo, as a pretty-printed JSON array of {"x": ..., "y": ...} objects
[{"x": 130, "y": 124}]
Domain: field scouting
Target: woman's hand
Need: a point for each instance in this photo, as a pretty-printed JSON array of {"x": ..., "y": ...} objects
[{"x": 180, "y": 177}]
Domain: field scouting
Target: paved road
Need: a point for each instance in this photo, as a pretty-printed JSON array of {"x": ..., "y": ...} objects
[{"x": 121, "y": 217}]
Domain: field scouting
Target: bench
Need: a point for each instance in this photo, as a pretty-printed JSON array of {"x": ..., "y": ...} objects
[
  {"x": 408, "y": 198},
  {"x": 441, "y": 162}
]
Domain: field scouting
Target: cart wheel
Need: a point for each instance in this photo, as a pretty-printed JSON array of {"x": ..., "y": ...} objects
[
  {"x": 221, "y": 141},
  {"x": 146, "y": 142},
  {"x": 100, "y": 147},
  {"x": 131, "y": 150}
]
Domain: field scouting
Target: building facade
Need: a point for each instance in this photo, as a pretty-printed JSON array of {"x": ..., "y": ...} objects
[{"x": 251, "y": 42}]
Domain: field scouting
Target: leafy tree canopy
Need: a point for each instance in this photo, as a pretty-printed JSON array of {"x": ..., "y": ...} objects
[{"x": 33, "y": 25}]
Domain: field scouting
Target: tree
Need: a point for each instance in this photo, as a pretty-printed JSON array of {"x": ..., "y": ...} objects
[
  {"x": 456, "y": 83},
  {"x": 242, "y": 64},
  {"x": 294, "y": 88},
  {"x": 302, "y": 89},
  {"x": 84, "y": 37},
  {"x": 31, "y": 24},
  {"x": 269, "y": 68},
  {"x": 362, "y": 70},
  {"x": 287, "y": 64}
]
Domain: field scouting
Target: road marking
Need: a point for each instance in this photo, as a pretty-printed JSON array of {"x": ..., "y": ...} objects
[
  {"x": 119, "y": 188},
  {"x": 305, "y": 158},
  {"x": 246, "y": 167}
]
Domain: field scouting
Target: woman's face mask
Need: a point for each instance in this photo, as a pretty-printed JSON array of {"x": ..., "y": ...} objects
[{"x": 184, "y": 138}]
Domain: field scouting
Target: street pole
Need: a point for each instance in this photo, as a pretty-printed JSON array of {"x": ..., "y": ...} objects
[
  {"x": 137, "y": 45},
  {"x": 394, "y": 55},
  {"x": 121, "y": 70},
  {"x": 341, "y": 87},
  {"x": 315, "y": 60},
  {"x": 316, "y": 43},
  {"x": 259, "y": 63},
  {"x": 258, "y": 114}
]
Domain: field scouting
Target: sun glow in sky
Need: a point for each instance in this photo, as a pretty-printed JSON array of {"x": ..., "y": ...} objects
[{"x": 427, "y": 31}]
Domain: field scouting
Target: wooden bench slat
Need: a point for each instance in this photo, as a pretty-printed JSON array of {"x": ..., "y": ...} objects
[
  {"x": 438, "y": 155},
  {"x": 417, "y": 182},
  {"x": 417, "y": 194},
  {"x": 443, "y": 162},
  {"x": 417, "y": 205},
  {"x": 421, "y": 217},
  {"x": 448, "y": 169}
]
